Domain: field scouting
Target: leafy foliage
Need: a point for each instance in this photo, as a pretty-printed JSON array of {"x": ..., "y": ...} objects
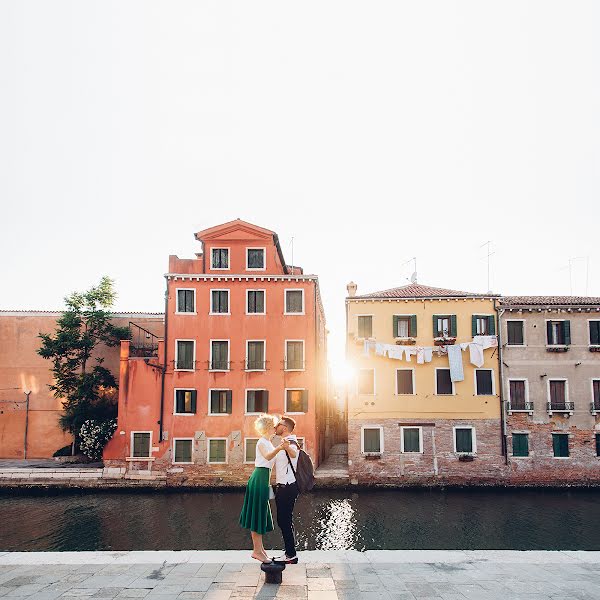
[
  {"x": 94, "y": 435},
  {"x": 88, "y": 389}
]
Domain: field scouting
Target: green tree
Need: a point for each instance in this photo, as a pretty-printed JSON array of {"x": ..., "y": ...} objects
[{"x": 87, "y": 389}]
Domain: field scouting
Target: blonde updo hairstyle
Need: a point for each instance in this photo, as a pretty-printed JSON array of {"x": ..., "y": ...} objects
[{"x": 263, "y": 423}]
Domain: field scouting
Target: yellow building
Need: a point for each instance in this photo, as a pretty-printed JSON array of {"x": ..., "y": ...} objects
[{"x": 411, "y": 418}]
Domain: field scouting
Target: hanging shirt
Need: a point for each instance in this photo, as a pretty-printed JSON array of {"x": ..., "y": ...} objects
[{"x": 283, "y": 471}]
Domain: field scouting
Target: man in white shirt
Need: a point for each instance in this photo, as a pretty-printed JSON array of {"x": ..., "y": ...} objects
[{"x": 286, "y": 488}]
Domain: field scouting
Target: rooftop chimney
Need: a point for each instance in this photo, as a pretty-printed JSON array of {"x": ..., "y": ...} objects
[{"x": 351, "y": 287}]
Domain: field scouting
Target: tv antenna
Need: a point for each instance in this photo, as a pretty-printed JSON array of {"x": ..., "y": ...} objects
[
  {"x": 587, "y": 272},
  {"x": 489, "y": 253},
  {"x": 413, "y": 277},
  {"x": 292, "y": 245}
]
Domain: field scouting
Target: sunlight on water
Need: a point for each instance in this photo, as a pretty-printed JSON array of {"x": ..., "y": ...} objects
[{"x": 336, "y": 529}]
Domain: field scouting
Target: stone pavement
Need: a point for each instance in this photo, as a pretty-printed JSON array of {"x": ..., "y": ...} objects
[{"x": 322, "y": 575}]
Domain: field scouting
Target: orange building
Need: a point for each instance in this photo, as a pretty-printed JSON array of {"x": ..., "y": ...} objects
[
  {"x": 23, "y": 370},
  {"x": 244, "y": 334}
]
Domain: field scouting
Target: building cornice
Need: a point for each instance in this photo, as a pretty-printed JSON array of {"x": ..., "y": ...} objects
[
  {"x": 228, "y": 277},
  {"x": 568, "y": 308},
  {"x": 420, "y": 299},
  {"x": 58, "y": 313}
]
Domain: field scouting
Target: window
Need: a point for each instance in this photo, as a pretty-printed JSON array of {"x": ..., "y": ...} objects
[
  {"x": 250, "y": 450},
  {"x": 443, "y": 383},
  {"x": 594, "y": 333},
  {"x": 484, "y": 382},
  {"x": 365, "y": 326},
  {"x": 405, "y": 381},
  {"x": 517, "y": 394},
  {"x": 598, "y": 444},
  {"x": 185, "y": 402},
  {"x": 404, "y": 326},
  {"x": 412, "y": 439},
  {"x": 515, "y": 333},
  {"x": 596, "y": 394},
  {"x": 520, "y": 444},
  {"x": 296, "y": 401},
  {"x": 217, "y": 450},
  {"x": 483, "y": 325},
  {"x": 255, "y": 302},
  {"x": 255, "y": 355},
  {"x": 294, "y": 302},
  {"x": 219, "y": 355},
  {"x": 464, "y": 440},
  {"x": 185, "y": 351},
  {"x": 294, "y": 355},
  {"x": 366, "y": 381},
  {"x": 186, "y": 301},
  {"x": 255, "y": 258},
  {"x": 182, "y": 450},
  {"x": 444, "y": 325},
  {"x": 140, "y": 444},
  {"x": 558, "y": 333},
  {"x": 219, "y": 258},
  {"x": 560, "y": 445},
  {"x": 257, "y": 401},
  {"x": 219, "y": 402},
  {"x": 558, "y": 393},
  {"x": 219, "y": 302},
  {"x": 372, "y": 439}
]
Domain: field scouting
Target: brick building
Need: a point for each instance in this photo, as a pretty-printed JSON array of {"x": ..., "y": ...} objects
[
  {"x": 551, "y": 387},
  {"x": 244, "y": 334},
  {"x": 410, "y": 421}
]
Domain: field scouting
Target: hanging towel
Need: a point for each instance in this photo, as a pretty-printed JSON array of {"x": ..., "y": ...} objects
[
  {"x": 420, "y": 355},
  {"x": 456, "y": 364},
  {"x": 476, "y": 354},
  {"x": 464, "y": 346},
  {"x": 396, "y": 352},
  {"x": 487, "y": 341},
  {"x": 380, "y": 349},
  {"x": 428, "y": 354}
]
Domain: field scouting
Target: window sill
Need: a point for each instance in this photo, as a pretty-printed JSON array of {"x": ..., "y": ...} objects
[
  {"x": 291, "y": 314},
  {"x": 220, "y": 269},
  {"x": 294, "y": 370},
  {"x": 516, "y": 345},
  {"x": 561, "y": 457},
  {"x": 185, "y": 370},
  {"x": 594, "y": 348},
  {"x": 186, "y": 313},
  {"x": 399, "y": 394},
  {"x": 557, "y": 348},
  {"x": 294, "y": 413},
  {"x": 520, "y": 457},
  {"x": 412, "y": 452},
  {"x": 405, "y": 341},
  {"x": 183, "y": 463},
  {"x": 219, "y": 414},
  {"x": 140, "y": 458},
  {"x": 256, "y": 314},
  {"x": 176, "y": 414},
  {"x": 372, "y": 455},
  {"x": 219, "y": 370},
  {"x": 212, "y": 314},
  {"x": 210, "y": 462}
]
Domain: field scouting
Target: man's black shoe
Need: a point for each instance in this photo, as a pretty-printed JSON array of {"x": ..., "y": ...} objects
[{"x": 284, "y": 560}]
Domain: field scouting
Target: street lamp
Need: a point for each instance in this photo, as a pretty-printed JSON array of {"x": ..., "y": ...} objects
[{"x": 27, "y": 394}]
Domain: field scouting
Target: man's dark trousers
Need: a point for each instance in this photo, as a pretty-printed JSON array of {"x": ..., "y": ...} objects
[{"x": 285, "y": 499}]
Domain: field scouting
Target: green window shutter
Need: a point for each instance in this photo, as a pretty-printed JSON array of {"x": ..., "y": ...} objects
[
  {"x": 251, "y": 449},
  {"x": 194, "y": 396},
  {"x": 520, "y": 444},
  {"x": 560, "y": 445},
  {"x": 304, "y": 401},
  {"x": 473, "y": 325},
  {"x": 266, "y": 397},
  {"x": 598, "y": 444},
  {"x": 452, "y": 325},
  {"x": 413, "y": 326},
  {"x": 492, "y": 325},
  {"x": 411, "y": 440},
  {"x": 395, "y": 320},
  {"x": 464, "y": 440},
  {"x": 549, "y": 332},
  {"x": 228, "y": 402},
  {"x": 567, "y": 332},
  {"x": 371, "y": 441},
  {"x": 435, "y": 326}
]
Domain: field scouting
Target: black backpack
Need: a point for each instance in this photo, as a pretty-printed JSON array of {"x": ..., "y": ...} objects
[{"x": 304, "y": 471}]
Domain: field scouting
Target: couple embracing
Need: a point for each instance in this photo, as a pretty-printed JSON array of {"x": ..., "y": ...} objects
[{"x": 256, "y": 511}]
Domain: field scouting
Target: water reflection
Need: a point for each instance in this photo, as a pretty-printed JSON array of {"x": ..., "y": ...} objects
[{"x": 329, "y": 520}]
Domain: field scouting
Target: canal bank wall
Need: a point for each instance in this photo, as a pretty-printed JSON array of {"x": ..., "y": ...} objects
[{"x": 119, "y": 478}]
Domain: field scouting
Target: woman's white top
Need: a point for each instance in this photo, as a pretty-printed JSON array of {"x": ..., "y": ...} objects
[{"x": 266, "y": 446}]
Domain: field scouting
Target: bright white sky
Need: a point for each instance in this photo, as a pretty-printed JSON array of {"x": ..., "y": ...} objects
[{"x": 372, "y": 132}]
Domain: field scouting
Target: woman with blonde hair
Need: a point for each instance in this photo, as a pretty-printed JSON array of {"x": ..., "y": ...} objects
[{"x": 256, "y": 512}]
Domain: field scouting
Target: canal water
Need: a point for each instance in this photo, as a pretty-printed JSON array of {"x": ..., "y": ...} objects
[{"x": 328, "y": 520}]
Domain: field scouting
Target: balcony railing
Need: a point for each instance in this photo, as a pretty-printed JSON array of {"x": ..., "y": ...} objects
[
  {"x": 255, "y": 365},
  {"x": 219, "y": 365},
  {"x": 143, "y": 343},
  {"x": 520, "y": 407},
  {"x": 561, "y": 407},
  {"x": 293, "y": 365},
  {"x": 595, "y": 406}
]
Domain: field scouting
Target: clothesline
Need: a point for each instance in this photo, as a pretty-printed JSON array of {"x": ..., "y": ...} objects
[{"x": 424, "y": 354}]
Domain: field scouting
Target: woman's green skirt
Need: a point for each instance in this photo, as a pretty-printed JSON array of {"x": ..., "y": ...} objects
[{"x": 256, "y": 512}]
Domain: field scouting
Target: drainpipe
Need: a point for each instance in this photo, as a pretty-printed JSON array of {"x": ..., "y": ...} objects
[
  {"x": 27, "y": 394},
  {"x": 164, "y": 368},
  {"x": 503, "y": 432}
]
